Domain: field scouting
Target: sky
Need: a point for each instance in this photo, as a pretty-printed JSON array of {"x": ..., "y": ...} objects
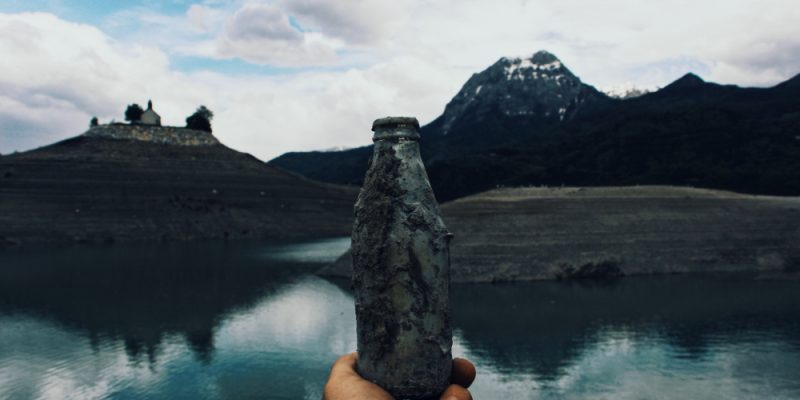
[{"x": 298, "y": 75}]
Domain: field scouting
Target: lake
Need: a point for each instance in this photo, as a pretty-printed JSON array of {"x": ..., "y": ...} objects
[{"x": 246, "y": 320}]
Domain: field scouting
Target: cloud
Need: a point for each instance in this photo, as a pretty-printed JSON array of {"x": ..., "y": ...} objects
[
  {"x": 262, "y": 22},
  {"x": 301, "y": 33},
  {"x": 263, "y": 34},
  {"x": 57, "y": 73},
  {"x": 357, "y": 22},
  {"x": 65, "y": 72},
  {"x": 318, "y": 110},
  {"x": 28, "y": 122},
  {"x": 360, "y": 60},
  {"x": 610, "y": 42},
  {"x": 203, "y": 18},
  {"x": 47, "y": 361}
]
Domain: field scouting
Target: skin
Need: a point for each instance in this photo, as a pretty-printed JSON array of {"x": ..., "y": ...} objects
[{"x": 345, "y": 383}]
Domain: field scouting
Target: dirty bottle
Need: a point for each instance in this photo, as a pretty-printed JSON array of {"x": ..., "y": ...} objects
[{"x": 401, "y": 269}]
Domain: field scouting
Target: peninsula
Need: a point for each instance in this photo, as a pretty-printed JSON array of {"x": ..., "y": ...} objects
[{"x": 542, "y": 233}]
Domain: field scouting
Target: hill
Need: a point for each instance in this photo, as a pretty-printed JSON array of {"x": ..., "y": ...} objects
[
  {"x": 607, "y": 232},
  {"x": 533, "y": 122},
  {"x": 129, "y": 183}
]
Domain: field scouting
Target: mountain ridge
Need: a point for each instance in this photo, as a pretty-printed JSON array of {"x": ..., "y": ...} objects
[
  {"x": 540, "y": 88},
  {"x": 604, "y": 142}
]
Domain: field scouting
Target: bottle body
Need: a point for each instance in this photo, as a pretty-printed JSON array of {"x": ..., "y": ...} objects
[{"x": 401, "y": 271}]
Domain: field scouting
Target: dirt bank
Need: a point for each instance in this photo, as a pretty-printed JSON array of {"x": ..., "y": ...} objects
[
  {"x": 569, "y": 233},
  {"x": 103, "y": 189}
]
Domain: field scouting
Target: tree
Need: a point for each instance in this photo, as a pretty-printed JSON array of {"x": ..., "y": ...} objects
[
  {"x": 93, "y": 122},
  {"x": 200, "y": 120},
  {"x": 133, "y": 113}
]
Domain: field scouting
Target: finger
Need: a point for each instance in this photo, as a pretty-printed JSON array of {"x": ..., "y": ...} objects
[
  {"x": 345, "y": 383},
  {"x": 463, "y": 372},
  {"x": 345, "y": 366},
  {"x": 455, "y": 392}
]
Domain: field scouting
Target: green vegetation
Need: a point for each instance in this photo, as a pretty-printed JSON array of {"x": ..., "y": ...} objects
[
  {"x": 200, "y": 120},
  {"x": 133, "y": 113}
]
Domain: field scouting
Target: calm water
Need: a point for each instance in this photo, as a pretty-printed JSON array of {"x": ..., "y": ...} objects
[{"x": 250, "y": 321}]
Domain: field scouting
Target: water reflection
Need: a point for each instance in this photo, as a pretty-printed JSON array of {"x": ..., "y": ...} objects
[
  {"x": 140, "y": 294},
  {"x": 178, "y": 320},
  {"x": 250, "y": 321},
  {"x": 637, "y": 336},
  {"x": 319, "y": 251}
]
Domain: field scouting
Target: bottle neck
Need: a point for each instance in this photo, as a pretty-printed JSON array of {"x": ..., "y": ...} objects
[{"x": 395, "y": 134}]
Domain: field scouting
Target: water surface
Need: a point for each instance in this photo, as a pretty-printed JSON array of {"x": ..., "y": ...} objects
[{"x": 215, "y": 320}]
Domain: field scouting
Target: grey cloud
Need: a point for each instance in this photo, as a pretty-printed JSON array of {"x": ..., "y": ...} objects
[
  {"x": 780, "y": 56},
  {"x": 37, "y": 118},
  {"x": 668, "y": 69},
  {"x": 261, "y": 33},
  {"x": 44, "y": 113},
  {"x": 261, "y": 22},
  {"x": 357, "y": 22}
]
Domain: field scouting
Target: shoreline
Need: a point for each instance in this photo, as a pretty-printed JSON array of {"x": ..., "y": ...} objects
[{"x": 573, "y": 233}]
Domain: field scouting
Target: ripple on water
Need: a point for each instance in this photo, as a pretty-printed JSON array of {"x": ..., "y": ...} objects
[{"x": 234, "y": 324}]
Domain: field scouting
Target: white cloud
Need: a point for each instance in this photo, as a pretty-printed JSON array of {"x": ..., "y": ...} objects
[
  {"x": 49, "y": 362},
  {"x": 379, "y": 58},
  {"x": 203, "y": 18},
  {"x": 355, "y": 21},
  {"x": 66, "y": 72},
  {"x": 57, "y": 73},
  {"x": 317, "y": 110},
  {"x": 262, "y": 33}
]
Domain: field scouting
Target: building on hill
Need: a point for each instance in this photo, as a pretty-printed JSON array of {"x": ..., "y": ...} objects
[{"x": 150, "y": 117}]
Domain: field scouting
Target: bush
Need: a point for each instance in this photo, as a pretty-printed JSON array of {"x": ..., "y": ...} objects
[
  {"x": 133, "y": 113},
  {"x": 200, "y": 120}
]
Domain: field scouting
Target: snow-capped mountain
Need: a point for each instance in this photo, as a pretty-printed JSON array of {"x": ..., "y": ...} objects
[
  {"x": 334, "y": 148},
  {"x": 538, "y": 87},
  {"x": 530, "y": 121},
  {"x": 627, "y": 91}
]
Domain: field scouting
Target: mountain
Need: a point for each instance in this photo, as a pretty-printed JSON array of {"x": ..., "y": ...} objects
[
  {"x": 690, "y": 132},
  {"x": 626, "y": 91},
  {"x": 513, "y": 98},
  {"x": 539, "y": 88},
  {"x": 127, "y": 183}
]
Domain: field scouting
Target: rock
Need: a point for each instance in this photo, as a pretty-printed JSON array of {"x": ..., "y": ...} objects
[{"x": 171, "y": 135}]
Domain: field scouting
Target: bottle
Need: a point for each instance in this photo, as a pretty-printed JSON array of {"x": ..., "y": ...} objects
[{"x": 401, "y": 269}]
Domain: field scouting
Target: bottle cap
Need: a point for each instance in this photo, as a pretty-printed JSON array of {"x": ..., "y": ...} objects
[{"x": 395, "y": 128}]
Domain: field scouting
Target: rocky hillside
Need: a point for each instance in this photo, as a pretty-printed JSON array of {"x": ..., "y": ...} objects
[
  {"x": 99, "y": 188},
  {"x": 154, "y": 133},
  {"x": 533, "y": 122},
  {"x": 573, "y": 233},
  {"x": 511, "y": 99},
  {"x": 540, "y": 88}
]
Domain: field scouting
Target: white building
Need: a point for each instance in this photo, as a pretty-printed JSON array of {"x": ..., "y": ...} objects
[{"x": 150, "y": 117}]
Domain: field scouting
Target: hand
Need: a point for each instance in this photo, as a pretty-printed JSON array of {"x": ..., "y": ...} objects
[{"x": 345, "y": 383}]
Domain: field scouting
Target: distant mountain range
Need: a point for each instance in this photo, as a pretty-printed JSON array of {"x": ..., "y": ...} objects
[
  {"x": 627, "y": 91},
  {"x": 531, "y": 121}
]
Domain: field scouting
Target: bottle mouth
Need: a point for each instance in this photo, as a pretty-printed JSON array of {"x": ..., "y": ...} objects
[{"x": 395, "y": 128}]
